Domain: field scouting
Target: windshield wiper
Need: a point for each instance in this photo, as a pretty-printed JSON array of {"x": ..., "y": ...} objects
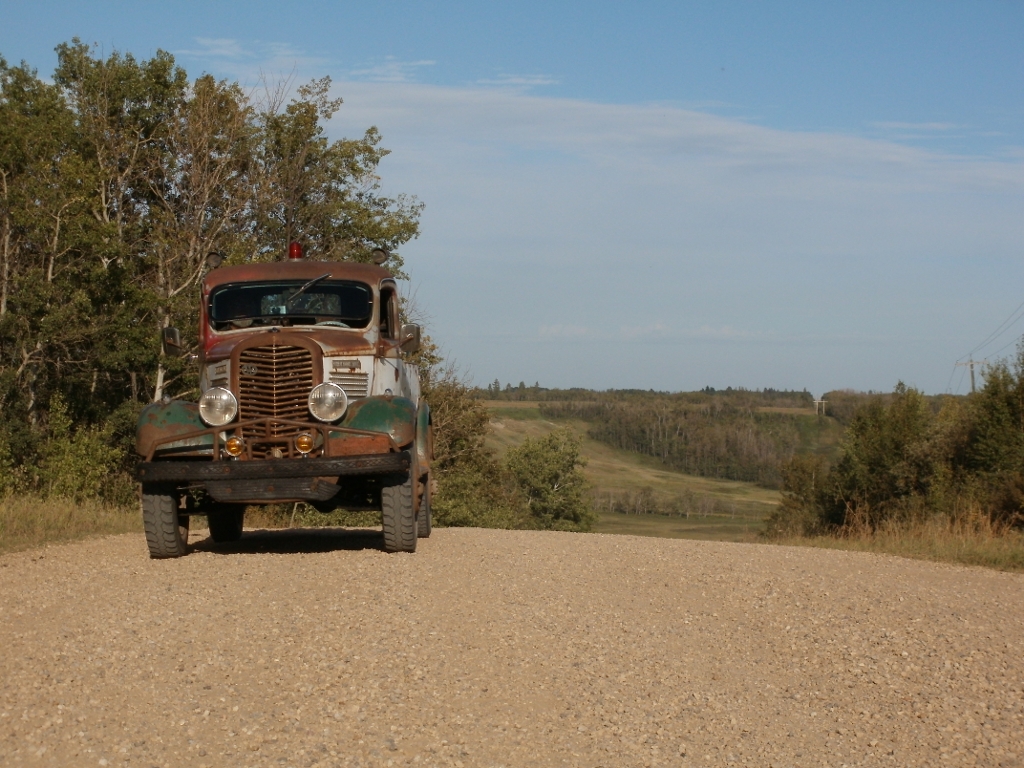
[{"x": 303, "y": 288}]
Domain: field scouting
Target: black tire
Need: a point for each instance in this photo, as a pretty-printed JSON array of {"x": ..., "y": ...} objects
[
  {"x": 166, "y": 529},
  {"x": 226, "y": 523},
  {"x": 424, "y": 522},
  {"x": 398, "y": 517}
]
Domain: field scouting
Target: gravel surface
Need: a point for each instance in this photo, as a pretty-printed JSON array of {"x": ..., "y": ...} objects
[{"x": 497, "y": 648}]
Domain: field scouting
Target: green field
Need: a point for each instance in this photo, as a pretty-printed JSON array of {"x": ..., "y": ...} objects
[{"x": 725, "y": 510}]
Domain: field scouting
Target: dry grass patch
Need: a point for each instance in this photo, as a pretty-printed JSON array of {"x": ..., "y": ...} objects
[
  {"x": 30, "y": 521},
  {"x": 967, "y": 542}
]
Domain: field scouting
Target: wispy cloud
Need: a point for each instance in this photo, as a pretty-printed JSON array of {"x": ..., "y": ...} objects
[
  {"x": 640, "y": 331},
  {"x": 916, "y": 126},
  {"x": 724, "y": 332},
  {"x": 217, "y": 48},
  {"x": 254, "y": 61},
  {"x": 663, "y": 331},
  {"x": 392, "y": 70},
  {"x": 563, "y": 331},
  {"x": 519, "y": 81}
]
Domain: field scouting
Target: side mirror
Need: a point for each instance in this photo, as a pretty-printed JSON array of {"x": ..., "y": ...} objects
[
  {"x": 410, "y": 338},
  {"x": 171, "y": 341}
]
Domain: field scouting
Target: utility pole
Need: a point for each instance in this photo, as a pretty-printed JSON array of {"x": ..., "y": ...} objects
[{"x": 971, "y": 363}]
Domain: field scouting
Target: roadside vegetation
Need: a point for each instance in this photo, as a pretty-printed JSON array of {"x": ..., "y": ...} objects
[
  {"x": 920, "y": 476},
  {"x": 915, "y": 475},
  {"x": 631, "y": 493}
]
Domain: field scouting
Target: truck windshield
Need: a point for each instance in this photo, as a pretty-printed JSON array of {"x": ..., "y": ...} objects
[{"x": 338, "y": 303}]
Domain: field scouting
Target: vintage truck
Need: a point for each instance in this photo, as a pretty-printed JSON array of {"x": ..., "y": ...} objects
[{"x": 306, "y": 395}]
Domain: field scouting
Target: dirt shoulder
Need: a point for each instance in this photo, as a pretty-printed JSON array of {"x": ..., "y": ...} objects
[{"x": 490, "y": 648}]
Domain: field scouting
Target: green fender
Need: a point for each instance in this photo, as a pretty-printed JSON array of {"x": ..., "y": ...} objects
[
  {"x": 160, "y": 421},
  {"x": 424, "y": 446},
  {"x": 395, "y": 416}
]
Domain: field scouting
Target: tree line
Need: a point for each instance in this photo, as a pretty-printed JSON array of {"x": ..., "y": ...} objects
[
  {"x": 731, "y": 434},
  {"x": 908, "y": 458}
]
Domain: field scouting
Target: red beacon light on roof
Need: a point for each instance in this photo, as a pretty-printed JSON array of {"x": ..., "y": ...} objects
[{"x": 295, "y": 250}]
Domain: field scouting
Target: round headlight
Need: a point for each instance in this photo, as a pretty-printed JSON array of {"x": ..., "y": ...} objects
[
  {"x": 328, "y": 402},
  {"x": 217, "y": 406}
]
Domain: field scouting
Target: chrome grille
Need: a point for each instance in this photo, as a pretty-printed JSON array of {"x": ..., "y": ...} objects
[
  {"x": 355, "y": 384},
  {"x": 274, "y": 381}
]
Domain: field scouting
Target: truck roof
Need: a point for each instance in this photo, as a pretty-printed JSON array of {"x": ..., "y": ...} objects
[{"x": 295, "y": 269}]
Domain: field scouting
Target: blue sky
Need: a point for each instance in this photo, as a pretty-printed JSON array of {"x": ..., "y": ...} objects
[{"x": 661, "y": 195}]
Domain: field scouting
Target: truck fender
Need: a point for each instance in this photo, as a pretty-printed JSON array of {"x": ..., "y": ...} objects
[
  {"x": 160, "y": 421},
  {"x": 395, "y": 416},
  {"x": 424, "y": 438}
]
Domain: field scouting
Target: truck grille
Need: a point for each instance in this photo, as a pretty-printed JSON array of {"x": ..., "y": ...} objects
[
  {"x": 356, "y": 385},
  {"x": 274, "y": 382}
]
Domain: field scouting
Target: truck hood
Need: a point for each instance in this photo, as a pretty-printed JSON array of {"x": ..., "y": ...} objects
[{"x": 333, "y": 342}]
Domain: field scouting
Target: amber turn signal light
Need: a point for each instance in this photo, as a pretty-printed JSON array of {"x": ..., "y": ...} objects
[
  {"x": 234, "y": 446},
  {"x": 304, "y": 443}
]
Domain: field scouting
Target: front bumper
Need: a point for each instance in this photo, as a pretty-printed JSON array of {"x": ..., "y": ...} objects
[{"x": 172, "y": 471}]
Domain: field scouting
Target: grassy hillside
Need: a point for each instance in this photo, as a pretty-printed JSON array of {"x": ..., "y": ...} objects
[{"x": 726, "y": 510}]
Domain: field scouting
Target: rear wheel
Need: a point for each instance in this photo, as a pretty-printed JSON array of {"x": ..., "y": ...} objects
[
  {"x": 226, "y": 523},
  {"x": 399, "y": 517},
  {"x": 166, "y": 528},
  {"x": 423, "y": 517}
]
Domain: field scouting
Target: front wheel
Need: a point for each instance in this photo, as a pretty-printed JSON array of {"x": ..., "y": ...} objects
[
  {"x": 226, "y": 523},
  {"x": 166, "y": 529},
  {"x": 398, "y": 516}
]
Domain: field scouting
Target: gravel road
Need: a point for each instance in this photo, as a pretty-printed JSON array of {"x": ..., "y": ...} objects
[{"x": 496, "y": 648}]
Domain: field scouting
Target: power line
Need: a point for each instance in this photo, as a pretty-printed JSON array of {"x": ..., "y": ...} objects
[
  {"x": 1007, "y": 345},
  {"x": 970, "y": 363},
  {"x": 961, "y": 382},
  {"x": 1002, "y": 328}
]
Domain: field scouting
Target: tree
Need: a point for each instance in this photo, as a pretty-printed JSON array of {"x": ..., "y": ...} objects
[
  {"x": 548, "y": 471},
  {"x": 326, "y": 194}
]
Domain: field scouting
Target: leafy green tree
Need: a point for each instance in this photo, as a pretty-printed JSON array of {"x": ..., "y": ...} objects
[
  {"x": 998, "y": 408},
  {"x": 548, "y": 472},
  {"x": 805, "y": 480},
  {"x": 322, "y": 193},
  {"x": 882, "y": 462}
]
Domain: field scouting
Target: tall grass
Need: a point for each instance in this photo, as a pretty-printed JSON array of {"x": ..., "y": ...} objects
[
  {"x": 28, "y": 521},
  {"x": 302, "y": 515},
  {"x": 968, "y": 540}
]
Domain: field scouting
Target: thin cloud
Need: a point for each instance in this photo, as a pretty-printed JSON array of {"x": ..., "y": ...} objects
[
  {"x": 254, "y": 61},
  {"x": 563, "y": 331},
  {"x": 917, "y": 126},
  {"x": 661, "y": 331},
  {"x": 724, "y": 332},
  {"x": 633, "y": 332},
  {"x": 216, "y": 48},
  {"x": 392, "y": 70},
  {"x": 519, "y": 81}
]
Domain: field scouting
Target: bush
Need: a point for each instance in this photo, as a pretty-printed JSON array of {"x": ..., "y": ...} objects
[
  {"x": 903, "y": 464},
  {"x": 548, "y": 473},
  {"x": 80, "y": 465}
]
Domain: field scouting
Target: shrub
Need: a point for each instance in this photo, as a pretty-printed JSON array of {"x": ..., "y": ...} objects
[
  {"x": 548, "y": 472},
  {"x": 80, "y": 464}
]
